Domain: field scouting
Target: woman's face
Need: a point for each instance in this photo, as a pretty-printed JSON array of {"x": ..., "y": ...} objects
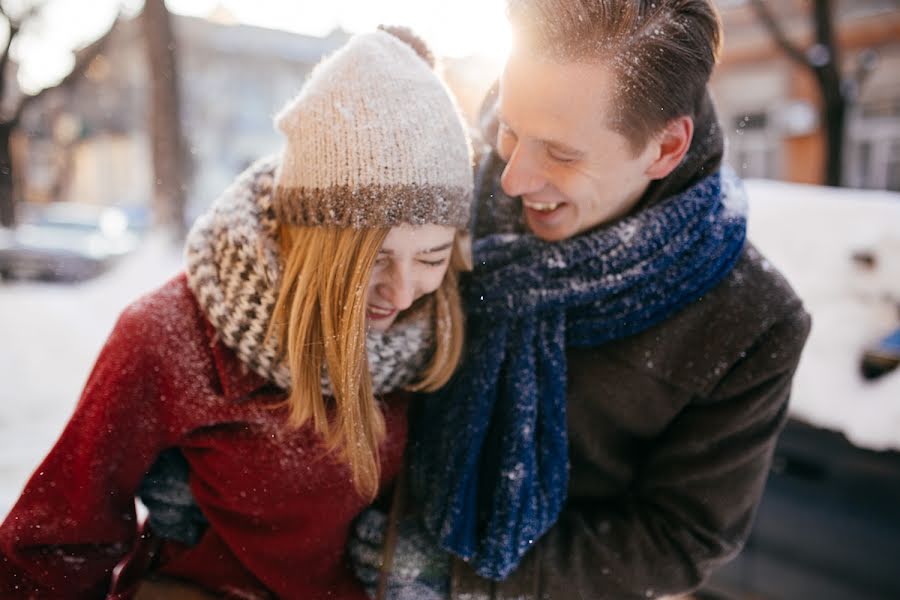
[{"x": 412, "y": 262}]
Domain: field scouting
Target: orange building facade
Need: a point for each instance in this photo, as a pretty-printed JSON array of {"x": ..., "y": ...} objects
[{"x": 771, "y": 107}]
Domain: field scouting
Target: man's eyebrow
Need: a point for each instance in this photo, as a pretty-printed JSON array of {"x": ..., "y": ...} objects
[
  {"x": 440, "y": 248},
  {"x": 555, "y": 144},
  {"x": 561, "y": 147}
]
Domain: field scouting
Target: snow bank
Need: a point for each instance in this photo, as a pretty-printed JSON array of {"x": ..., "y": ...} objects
[{"x": 811, "y": 234}]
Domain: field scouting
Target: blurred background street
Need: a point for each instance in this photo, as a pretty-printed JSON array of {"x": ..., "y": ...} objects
[{"x": 121, "y": 121}]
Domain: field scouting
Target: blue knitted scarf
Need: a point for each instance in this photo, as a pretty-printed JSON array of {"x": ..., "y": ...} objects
[{"x": 490, "y": 451}]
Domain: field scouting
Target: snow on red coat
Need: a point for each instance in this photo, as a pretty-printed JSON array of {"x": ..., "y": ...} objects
[{"x": 279, "y": 508}]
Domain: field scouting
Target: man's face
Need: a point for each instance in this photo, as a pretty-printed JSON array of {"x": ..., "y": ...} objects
[{"x": 571, "y": 170}]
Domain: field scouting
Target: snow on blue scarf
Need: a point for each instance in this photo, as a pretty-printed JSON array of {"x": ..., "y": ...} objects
[{"x": 490, "y": 451}]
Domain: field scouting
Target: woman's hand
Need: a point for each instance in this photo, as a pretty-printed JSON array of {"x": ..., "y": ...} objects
[{"x": 420, "y": 569}]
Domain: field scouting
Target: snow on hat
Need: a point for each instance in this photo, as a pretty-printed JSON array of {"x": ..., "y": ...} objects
[{"x": 374, "y": 139}]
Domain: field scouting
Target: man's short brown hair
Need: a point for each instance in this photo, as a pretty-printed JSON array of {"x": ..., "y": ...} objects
[{"x": 661, "y": 51}]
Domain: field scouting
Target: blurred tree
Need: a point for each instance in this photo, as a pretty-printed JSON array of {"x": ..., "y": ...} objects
[
  {"x": 167, "y": 142},
  {"x": 11, "y": 117},
  {"x": 822, "y": 58}
]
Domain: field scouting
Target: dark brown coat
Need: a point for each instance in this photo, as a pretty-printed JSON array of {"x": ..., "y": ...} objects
[{"x": 671, "y": 434}]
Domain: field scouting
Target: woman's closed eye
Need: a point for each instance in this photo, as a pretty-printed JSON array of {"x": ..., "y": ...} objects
[{"x": 433, "y": 263}]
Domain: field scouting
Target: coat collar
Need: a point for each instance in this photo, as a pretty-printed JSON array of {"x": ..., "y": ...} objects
[{"x": 237, "y": 380}]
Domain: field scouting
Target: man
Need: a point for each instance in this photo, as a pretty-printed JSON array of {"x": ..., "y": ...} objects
[{"x": 612, "y": 430}]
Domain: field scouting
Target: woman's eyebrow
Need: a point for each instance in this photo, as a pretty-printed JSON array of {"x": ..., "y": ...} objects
[{"x": 440, "y": 248}]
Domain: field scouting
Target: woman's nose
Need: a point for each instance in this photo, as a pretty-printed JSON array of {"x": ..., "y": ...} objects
[{"x": 399, "y": 290}]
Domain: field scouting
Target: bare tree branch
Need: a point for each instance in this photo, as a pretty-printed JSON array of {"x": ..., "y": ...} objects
[
  {"x": 866, "y": 63},
  {"x": 83, "y": 59},
  {"x": 15, "y": 26},
  {"x": 824, "y": 23},
  {"x": 764, "y": 13},
  {"x": 4, "y": 58}
]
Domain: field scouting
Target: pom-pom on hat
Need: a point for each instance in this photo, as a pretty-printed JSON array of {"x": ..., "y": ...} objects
[{"x": 374, "y": 139}]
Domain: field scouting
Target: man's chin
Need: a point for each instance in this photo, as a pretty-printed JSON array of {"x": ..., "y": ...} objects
[{"x": 550, "y": 226}]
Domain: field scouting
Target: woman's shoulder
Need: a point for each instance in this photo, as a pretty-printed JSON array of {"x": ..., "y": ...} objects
[
  {"x": 171, "y": 300},
  {"x": 166, "y": 317}
]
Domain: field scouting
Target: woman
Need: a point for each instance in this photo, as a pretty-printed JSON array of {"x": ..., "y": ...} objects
[{"x": 319, "y": 289}]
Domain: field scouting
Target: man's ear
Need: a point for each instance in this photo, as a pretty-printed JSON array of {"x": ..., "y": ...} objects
[{"x": 673, "y": 143}]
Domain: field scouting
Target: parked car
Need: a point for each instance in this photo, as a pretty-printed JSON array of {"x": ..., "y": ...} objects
[{"x": 64, "y": 241}]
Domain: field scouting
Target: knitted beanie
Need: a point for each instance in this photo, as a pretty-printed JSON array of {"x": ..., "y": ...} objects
[{"x": 374, "y": 139}]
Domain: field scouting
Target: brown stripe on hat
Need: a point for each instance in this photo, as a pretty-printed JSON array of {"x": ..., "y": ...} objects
[
  {"x": 374, "y": 205},
  {"x": 374, "y": 139}
]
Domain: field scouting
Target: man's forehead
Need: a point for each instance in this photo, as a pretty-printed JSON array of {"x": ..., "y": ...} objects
[{"x": 548, "y": 98}]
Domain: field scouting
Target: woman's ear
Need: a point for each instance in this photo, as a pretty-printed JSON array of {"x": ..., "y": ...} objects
[
  {"x": 463, "y": 242},
  {"x": 673, "y": 143}
]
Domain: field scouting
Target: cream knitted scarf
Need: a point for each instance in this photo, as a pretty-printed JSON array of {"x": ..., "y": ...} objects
[{"x": 234, "y": 271}]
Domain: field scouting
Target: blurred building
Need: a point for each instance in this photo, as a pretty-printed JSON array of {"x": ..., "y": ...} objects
[
  {"x": 470, "y": 78},
  {"x": 87, "y": 141},
  {"x": 770, "y": 106}
]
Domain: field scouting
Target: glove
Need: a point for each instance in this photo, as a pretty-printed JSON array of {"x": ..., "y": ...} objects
[
  {"x": 173, "y": 514},
  {"x": 420, "y": 569}
]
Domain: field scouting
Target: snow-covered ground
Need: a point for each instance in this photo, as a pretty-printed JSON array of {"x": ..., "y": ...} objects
[{"x": 50, "y": 333}]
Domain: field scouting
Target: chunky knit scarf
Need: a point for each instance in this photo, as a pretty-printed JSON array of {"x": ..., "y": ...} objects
[
  {"x": 234, "y": 271},
  {"x": 489, "y": 460}
]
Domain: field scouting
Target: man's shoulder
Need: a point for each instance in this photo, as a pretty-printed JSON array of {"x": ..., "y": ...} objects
[
  {"x": 753, "y": 275},
  {"x": 752, "y": 297},
  {"x": 694, "y": 348}
]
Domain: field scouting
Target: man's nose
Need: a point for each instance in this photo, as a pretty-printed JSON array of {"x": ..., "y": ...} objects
[{"x": 521, "y": 175}]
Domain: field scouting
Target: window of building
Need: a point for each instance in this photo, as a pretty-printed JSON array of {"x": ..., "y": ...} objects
[
  {"x": 893, "y": 167},
  {"x": 752, "y": 149}
]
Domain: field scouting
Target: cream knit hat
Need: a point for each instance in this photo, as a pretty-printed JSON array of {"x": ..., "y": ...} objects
[{"x": 374, "y": 139}]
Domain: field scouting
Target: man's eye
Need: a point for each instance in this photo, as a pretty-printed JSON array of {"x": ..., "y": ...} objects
[
  {"x": 506, "y": 142},
  {"x": 560, "y": 157}
]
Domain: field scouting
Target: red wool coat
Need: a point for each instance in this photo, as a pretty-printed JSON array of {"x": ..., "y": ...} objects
[{"x": 279, "y": 508}]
